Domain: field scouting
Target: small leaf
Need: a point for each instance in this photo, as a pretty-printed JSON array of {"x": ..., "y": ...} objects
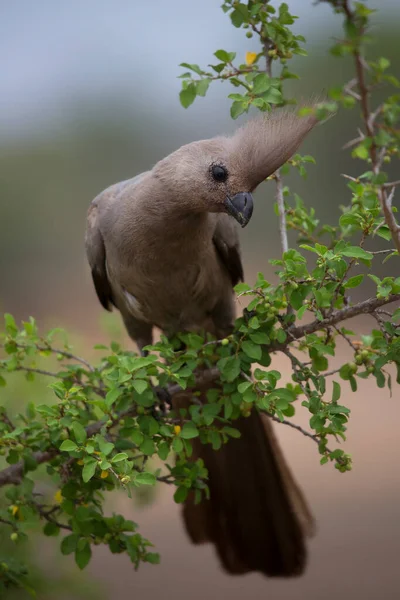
[
  {"x": 89, "y": 470},
  {"x": 118, "y": 457},
  {"x": 177, "y": 445},
  {"x": 237, "y": 109},
  {"x": 140, "y": 385},
  {"x": 112, "y": 396},
  {"x": 252, "y": 350},
  {"x": 336, "y": 391},
  {"x": 68, "y": 446},
  {"x": 354, "y": 281},
  {"x": 79, "y": 432},
  {"x": 83, "y": 554},
  {"x": 69, "y": 543},
  {"x": 188, "y": 95},
  {"x": 189, "y": 431},
  {"x": 224, "y": 56},
  {"x": 181, "y": 494},
  {"x": 51, "y": 529},
  {"x": 357, "y": 252},
  {"x": 145, "y": 478}
]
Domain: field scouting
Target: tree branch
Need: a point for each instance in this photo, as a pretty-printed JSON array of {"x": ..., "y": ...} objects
[
  {"x": 369, "y": 119},
  {"x": 365, "y": 307}
]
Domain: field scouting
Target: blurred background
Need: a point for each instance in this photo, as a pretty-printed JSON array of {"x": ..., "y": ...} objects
[{"x": 88, "y": 97}]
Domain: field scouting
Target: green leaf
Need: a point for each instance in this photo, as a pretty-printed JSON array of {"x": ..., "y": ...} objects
[
  {"x": 68, "y": 446},
  {"x": 273, "y": 96},
  {"x": 140, "y": 385},
  {"x": 118, "y": 457},
  {"x": 51, "y": 529},
  {"x": 152, "y": 558},
  {"x": 215, "y": 440},
  {"x": 237, "y": 18},
  {"x": 189, "y": 431},
  {"x": 202, "y": 87},
  {"x": 69, "y": 543},
  {"x": 89, "y": 470},
  {"x": 252, "y": 350},
  {"x": 177, "y": 445},
  {"x": 147, "y": 447},
  {"x": 225, "y": 56},
  {"x": 242, "y": 387},
  {"x": 235, "y": 433},
  {"x": 353, "y": 282},
  {"x": 188, "y": 95},
  {"x": 357, "y": 252},
  {"x": 361, "y": 151},
  {"x": 261, "y": 83},
  {"x": 259, "y": 337},
  {"x": 336, "y": 391},
  {"x": 242, "y": 287},
  {"x": 163, "y": 450},
  {"x": 384, "y": 232},
  {"x": 229, "y": 367},
  {"x": 145, "y": 478},
  {"x": 83, "y": 554},
  {"x": 112, "y": 396},
  {"x": 181, "y": 494},
  {"x": 79, "y": 432},
  {"x": 105, "y": 447},
  {"x": 192, "y": 67},
  {"x": 237, "y": 109}
]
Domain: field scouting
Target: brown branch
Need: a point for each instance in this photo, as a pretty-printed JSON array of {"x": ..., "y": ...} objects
[
  {"x": 362, "y": 308},
  {"x": 38, "y": 371},
  {"x": 308, "y": 434},
  {"x": 63, "y": 353},
  {"x": 369, "y": 119}
]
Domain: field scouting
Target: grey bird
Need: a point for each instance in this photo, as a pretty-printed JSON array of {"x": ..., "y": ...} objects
[{"x": 163, "y": 249}]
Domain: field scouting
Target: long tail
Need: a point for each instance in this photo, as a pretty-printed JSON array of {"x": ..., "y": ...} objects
[{"x": 257, "y": 517}]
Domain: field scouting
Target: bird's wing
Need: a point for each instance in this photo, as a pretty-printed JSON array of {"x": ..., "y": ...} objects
[
  {"x": 226, "y": 242},
  {"x": 94, "y": 240},
  {"x": 96, "y": 254}
]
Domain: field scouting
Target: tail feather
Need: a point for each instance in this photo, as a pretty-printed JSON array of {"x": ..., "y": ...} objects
[{"x": 257, "y": 517}]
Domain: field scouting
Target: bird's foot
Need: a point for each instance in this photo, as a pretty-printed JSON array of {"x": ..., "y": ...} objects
[{"x": 164, "y": 402}]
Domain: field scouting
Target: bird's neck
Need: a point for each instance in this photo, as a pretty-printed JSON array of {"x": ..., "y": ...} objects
[{"x": 176, "y": 230}]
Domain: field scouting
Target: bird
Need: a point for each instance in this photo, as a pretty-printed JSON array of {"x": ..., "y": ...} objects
[{"x": 163, "y": 248}]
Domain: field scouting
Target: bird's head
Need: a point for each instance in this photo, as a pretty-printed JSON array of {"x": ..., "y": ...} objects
[{"x": 220, "y": 174}]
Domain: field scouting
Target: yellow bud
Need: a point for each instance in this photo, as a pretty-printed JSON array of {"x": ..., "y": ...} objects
[
  {"x": 250, "y": 58},
  {"x": 58, "y": 497},
  {"x": 104, "y": 474},
  {"x": 80, "y": 462},
  {"x": 14, "y": 510},
  {"x": 177, "y": 429}
]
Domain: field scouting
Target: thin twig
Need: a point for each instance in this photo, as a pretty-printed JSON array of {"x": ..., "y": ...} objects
[{"x": 63, "y": 353}]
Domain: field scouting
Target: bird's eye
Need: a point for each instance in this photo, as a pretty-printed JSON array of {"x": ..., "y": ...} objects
[{"x": 219, "y": 173}]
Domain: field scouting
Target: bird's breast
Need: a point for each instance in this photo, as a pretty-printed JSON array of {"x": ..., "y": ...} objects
[{"x": 175, "y": 296}]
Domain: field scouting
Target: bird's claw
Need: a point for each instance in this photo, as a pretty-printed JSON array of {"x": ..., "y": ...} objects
[{"x": 164, "y": 402}]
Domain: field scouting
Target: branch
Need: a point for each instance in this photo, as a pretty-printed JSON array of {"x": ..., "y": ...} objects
[
  {"x": 14, "y": 473},
  {"x": 369, "y": 119},
  {"x": 312, "y": 436},
  {"x": 386, "y": 205},
  {"x": 365, "y": 307},
  {"x": 282, "y": 212},
  {"x": 277, "y": 176},
  {"x": 63, "y": 353}
]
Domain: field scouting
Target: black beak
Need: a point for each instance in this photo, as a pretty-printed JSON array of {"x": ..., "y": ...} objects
[{"x": 240, "y": 207}]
